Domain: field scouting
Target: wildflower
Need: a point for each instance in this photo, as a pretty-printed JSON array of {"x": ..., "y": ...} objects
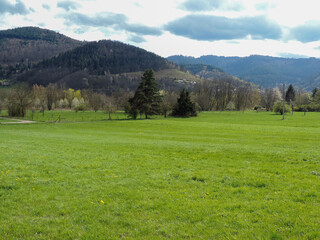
[{"x": 102, "y": 202}]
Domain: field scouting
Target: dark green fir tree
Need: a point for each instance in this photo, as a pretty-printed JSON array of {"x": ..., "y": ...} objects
[
  {"x": 146, "y": 99},
  {"x": 290, "y": 94},
  {"x": 184, "y": 106}
]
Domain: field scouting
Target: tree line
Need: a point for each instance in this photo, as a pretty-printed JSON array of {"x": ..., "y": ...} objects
[
  {"x": 207, "y": 95},
  {"x": 148, "y": 100}
]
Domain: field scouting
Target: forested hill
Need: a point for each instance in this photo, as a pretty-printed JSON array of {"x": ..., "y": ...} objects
[
  {"x": 29, "y": 45},
  {"x": 106, "y": 65},
  {"x": 107, "y": 56},
  {"x": 263, "y": 70}
]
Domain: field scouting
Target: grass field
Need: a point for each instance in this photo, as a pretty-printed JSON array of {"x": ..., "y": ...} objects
[
  {"x": 222, "y": 175},
  {"x": 6, "y": 120}
]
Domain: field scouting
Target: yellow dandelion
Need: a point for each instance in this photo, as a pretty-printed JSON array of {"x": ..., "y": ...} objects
[{"x": 101, "y": 201}]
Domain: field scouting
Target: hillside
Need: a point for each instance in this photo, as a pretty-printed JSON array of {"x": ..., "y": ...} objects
[
  {"x": 205, "y": 71},
  {"x": 107, "y": 56},
  {"x": 21, "y": 48},
  {"x": 263, "y": 70},
  {"x": 107, "y": 66}
]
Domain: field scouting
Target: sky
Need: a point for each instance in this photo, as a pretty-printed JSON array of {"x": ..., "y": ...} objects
[{"x": 279, "y": 28}]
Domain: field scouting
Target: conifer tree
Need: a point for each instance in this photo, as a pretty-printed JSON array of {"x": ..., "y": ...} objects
[
  {"x": 146, "y": 99},
  {"x": 184, "y": 106},
  {"x": 290, "y": 94}
]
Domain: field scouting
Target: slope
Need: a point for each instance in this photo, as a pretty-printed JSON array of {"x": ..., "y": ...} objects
[{"x": 32, "y": 45}]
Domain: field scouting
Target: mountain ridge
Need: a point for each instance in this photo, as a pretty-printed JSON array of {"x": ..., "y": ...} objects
[{"x": 265, "y": 71}]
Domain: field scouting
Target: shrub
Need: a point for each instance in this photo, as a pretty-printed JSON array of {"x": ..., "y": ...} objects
[
  {"x": 15, "y": 110},
  {"x": 278, "y": 107}
]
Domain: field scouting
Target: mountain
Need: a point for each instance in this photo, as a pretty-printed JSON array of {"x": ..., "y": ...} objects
[
  {"x": 105, "y": 64},
  {"x": 28, "y": 45},
  {"x": 263, "y": 70},
  {"x": 41, "y": 56}
]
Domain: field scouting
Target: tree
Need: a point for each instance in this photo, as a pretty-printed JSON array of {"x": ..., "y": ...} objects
[
  {"x": 203, "y": 95},
  {"x": 95, "y": 101},
  {"x": 18, "y": 101},
  {"x": 278, "y": 107},
  {"x": 39, "y": 95},
  {"x": 52, "y": 95},
  {"x": 168, "y": 101},
  {"x": 109, "y": 105},
  {"x": 269, "y": 97},
  {"x": 184, "y": 106},
  {"x": 146, "y": 99},
  {"x": 314, "y": 92},
  {"x": 290, "y": 94}
]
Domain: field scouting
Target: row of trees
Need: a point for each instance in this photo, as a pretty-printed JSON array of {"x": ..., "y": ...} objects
[
  {"x": 222, "y": 94},
  {"x": 21, "y": 97},
  {"x": 147, "y": 100}
]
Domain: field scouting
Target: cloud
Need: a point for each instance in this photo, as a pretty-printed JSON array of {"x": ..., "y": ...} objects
[
  {"x": 308, "y": 32},
  {"x": 17, "y": 8},
  {"x": 136, "y": 39},
  {"x": 46, "y": 6},
  {"x": 209, "y": 5},
  {"x": 68, "y": 5},
  {"x": 99, "y": 20},
  {"x": 116, "y": 21},
  {"x": 264, "y": 6},
  {"x": 213, "y": 28},
  {"x": 292, "y": 55}
]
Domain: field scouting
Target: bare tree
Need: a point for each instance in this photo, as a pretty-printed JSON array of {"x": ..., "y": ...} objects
[
  {"x": 39, "y": 98},
  {"x": 269, "y": 96},
  {"x": 169, "y": 99},
  {"x": 19, "y": 100},
  {"x": 109, "y": 104},
  {"x": 203, "y": 95},
  {"x": 51, "y": 95},
  {"x": 223, "y": 93}
]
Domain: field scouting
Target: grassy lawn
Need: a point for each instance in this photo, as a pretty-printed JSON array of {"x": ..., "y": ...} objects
[
  {"x": 7, "y": 120},
  {"x": 72, "y": 116},
  {"x": 222, "y": 175}
]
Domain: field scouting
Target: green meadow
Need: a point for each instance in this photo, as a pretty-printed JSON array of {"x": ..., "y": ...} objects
[{"x": 221, "y": 175}]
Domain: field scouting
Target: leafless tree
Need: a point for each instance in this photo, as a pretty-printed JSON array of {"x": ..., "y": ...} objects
[
  {"x": 19, "y": 100},
  {"x": 51, "y": 95},
  {"x": 269, "y": 96},
  {"x": 169, "y": 99}
]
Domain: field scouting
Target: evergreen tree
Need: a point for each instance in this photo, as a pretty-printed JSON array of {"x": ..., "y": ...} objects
[
  {"x": 290, "y": 94},
  {"x": 146, "y": 99},
  {"x": 314, "y": 92},
  {"x": 184, "y": 106}
]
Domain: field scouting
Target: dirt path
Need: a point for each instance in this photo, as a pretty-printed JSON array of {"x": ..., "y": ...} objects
[{"x": 15, "y": 121}]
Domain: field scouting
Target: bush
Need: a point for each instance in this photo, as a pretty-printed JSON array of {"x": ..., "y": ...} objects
[
  {"x": 230, "y": 106},
  {"x": 278, "y": 108},
  {"x": 80, "y": 107},
  {"x": 313, "y": 107},
  {"x": 15, "y": 110}
]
